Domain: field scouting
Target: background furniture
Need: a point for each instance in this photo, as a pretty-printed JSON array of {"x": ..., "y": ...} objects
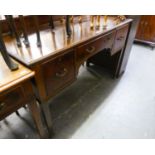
[
  {"x": 146, "y": 30},
  {"x": 44, "y": 22},
  {"x": 16, "y": 91}
]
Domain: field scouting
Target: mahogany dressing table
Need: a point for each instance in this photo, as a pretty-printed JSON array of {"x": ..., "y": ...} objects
[{"x": 56, "y": 63}]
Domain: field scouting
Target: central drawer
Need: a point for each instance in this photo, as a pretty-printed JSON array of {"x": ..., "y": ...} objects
[
  {"x": 58, "y": 72},
  {"x": 87, "y": 50}
]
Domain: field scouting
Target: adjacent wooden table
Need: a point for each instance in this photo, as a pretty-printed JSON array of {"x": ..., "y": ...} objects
[
  {"x": 56, "y": 63},
  {"x": 16, "y": 91}
]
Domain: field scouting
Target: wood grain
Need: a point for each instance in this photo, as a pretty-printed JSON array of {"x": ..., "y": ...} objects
[
  {"x": 56, "y": 41},
  {"x": 9, "y": 79},
  {"x": 146, "y": 30}
]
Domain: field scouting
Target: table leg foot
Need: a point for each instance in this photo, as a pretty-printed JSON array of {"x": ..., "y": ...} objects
[
  {"x": 36, "y": 114},
  {"x": 48, "y": 117}
]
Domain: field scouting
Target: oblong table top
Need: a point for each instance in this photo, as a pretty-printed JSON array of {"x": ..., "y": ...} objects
[{"x": 54, "y": 41}]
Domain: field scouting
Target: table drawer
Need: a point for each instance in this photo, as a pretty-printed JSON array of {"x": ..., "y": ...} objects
[
  {"x": 87, "y": 50},
  {"x": 120, "y": 39},
  {"x": 109, "y": 40},
  {"x": 11, "y": 101},
  {"x": 58, "y": 72}
]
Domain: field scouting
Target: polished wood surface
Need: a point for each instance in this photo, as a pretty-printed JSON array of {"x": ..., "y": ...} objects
[
  {"x": 146, "y": 30},
  {"x": 10, "y": 78},
  {"x": 56, "y": 41}
]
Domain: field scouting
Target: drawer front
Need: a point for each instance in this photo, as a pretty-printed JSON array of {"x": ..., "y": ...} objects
[
  {"x": 11, "y": 101},
  {"x": 120, "y": 39},
  {"x": 58, "y": 72},
  {"x": 109, "y": 40},
  {"x": 87, "y": 50}
]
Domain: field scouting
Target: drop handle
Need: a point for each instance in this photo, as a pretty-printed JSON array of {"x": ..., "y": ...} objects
[
  {"x": 62, "y": 73},
  {"x": 108, "y": 38},
  {"x": 120, "y": 38},
  {"x": 90, "y": 49},
  {"x": 2, "y": 106}
]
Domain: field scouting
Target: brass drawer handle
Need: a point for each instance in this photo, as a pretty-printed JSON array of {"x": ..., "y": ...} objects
[
  {"x": 90, "y": 49},
  {"x": 120, "y": 38},
  {"x": 142, "y": 22},
  {"x": 63, "y": 73},
  {"x": 108, "y": 38},
  {"x": 2, "y": 106}
]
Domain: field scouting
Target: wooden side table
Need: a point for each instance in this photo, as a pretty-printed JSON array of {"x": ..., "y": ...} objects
[{"x": 16, "y": 91}]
